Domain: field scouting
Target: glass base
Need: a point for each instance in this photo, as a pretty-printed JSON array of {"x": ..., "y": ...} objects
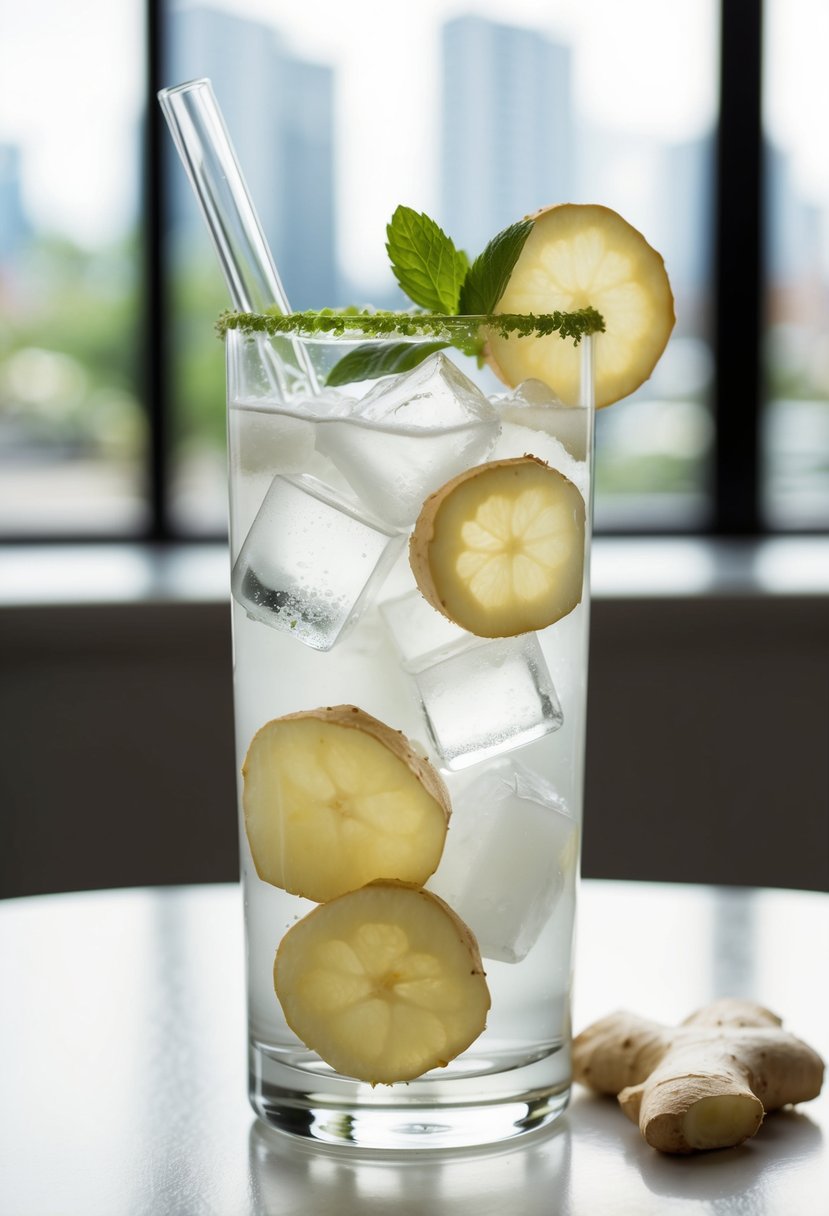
[{"x": 443, "y": 1114}]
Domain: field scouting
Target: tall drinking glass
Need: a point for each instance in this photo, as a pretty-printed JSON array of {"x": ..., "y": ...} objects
[{"x": 326, "y": 487}]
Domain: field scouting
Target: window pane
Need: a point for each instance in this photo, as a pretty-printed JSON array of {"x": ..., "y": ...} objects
[
  {"x": 796, "y": 421},
  {"x": 72, "y": 433},
  {"x": 278, "y": 106},
  {"x": 594, "y": 102},
  {"x": 567, "y": 110}
]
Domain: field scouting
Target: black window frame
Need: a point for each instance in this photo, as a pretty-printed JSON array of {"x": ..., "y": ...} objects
[{"x": 738, "y": 275}]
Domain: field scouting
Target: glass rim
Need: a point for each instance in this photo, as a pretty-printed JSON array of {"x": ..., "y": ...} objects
[{"x": 329, "y": 325}]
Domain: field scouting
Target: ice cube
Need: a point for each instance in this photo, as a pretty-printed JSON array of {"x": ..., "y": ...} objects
[
  {"x": 534, "y": 406},
  {"x": 486, "y": 698},
  {"x": 432, "y": 396},
  {"x": 310, "y": 560},
  {"x": 418, "y": 629},
  {"x": 279, "y": 438},
  {"x": 409, "y": 435},
  {"x": 510, "y": 853},
  {"x": 327, "y": 403},
  {"x": 269, "y": 441}
]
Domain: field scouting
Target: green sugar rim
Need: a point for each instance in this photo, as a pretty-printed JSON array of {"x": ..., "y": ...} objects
[{"x": 461, "y": 331}]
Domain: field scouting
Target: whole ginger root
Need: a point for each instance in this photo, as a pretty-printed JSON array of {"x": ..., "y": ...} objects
[{"x": 701, "y": 1085}]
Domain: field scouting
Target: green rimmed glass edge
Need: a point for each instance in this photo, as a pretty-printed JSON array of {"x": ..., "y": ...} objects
[{"x": 373, "y": 359}]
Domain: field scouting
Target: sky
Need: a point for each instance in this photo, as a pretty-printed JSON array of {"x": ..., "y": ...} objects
[{"x": 640, "y": 65}]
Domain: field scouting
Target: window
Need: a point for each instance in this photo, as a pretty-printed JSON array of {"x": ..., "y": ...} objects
[
  {"x": 73, "y": 442},
  {"x": 795, "y": 434},
  {"x": 562, "y": 107},
  {"x": 111, "y": 384}
]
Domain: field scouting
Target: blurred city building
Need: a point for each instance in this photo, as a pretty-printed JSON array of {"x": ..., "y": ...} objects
[
  {"x": 279, "y": 111},
  {"x": 507, "y": 127},
  {"x": 14, "y": 225}
]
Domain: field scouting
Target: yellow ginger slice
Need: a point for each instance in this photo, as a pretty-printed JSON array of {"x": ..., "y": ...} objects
[
  {"x": 500, "y": 548},
  {"x": 334, "y": 799},
  {"x": 383, "y": 983},
  {"x": 579, "y": 255}
]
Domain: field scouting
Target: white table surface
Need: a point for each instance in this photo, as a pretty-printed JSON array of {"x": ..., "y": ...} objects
[{"x": 123, "y": 1078}]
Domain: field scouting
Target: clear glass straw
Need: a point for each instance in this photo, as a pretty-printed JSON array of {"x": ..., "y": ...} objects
[{"x": 203, "y": 143}]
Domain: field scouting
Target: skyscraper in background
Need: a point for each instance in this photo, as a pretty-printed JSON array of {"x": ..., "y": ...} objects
[
  {"x": 14, "y": 226},
  {"x": 683, "y": 231},
  {"x": 279, "y": 111},
  {"x": 507, "y": 127},
  {"x": 793, "y": 225}
]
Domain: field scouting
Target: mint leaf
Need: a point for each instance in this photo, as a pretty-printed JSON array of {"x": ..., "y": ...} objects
[
  {"x": 488, "y": 275},
  {"x": 425, "y": 262},
  {"x": 375, "y": 359}
]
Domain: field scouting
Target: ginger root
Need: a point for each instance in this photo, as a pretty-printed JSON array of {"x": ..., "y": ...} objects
[{"x": 701, "y": 1085}]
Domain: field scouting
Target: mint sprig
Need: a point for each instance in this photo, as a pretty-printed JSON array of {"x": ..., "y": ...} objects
[
  {"x": 424, "y": 261},
  {"x": 459, "y": 300}
]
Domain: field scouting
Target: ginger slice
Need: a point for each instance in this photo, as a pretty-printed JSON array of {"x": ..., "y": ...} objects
[
  {"x": 702, "y": 1085},
  {"x": 500, "y": 548},
  {"x": 577, "y": 256},
  {"x": 384, "y": 983},
  {"x": 334, "y": 798}
]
